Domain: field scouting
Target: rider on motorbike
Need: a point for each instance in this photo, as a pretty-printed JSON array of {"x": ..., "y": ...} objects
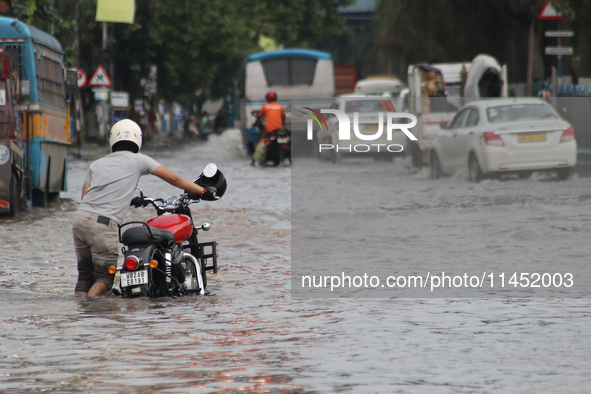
[
  {"x": 107, "y": 191},
  {"x": 274, "y": 119}
]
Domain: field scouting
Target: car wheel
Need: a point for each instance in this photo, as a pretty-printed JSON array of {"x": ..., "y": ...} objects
[
  {"x": 416, "y": 155},
  {"x": 564, "y": 173},
  {"x": 524, "y": 174},
  {"x": 434, "y": 166},
  {"x": 321, "y": 156},
  {"x": 388, "y": 158},
  {"x": 335, "y": 155},
  {"x": 474, "y": 169}
]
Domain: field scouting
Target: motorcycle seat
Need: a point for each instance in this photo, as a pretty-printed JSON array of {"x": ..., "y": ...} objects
[{"x": 141, "y": 235}]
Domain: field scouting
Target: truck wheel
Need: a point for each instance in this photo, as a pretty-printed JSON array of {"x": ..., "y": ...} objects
[
  {"x": 13, "y": 198},
  {"x": 41, "y": 197}
]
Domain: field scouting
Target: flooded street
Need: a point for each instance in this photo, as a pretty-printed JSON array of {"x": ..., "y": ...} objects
[{"x": 251, "y": 335}]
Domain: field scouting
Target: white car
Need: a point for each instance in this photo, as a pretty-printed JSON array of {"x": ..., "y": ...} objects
[
  {"x": 499, "y": 136},
  {"x": 368, "y": 108}
]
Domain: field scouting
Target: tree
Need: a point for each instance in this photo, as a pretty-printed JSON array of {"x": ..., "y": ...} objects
[
  {"x": 452, "y": 30},
  {"x": 43, "y": 15},
  {"x": 579, "y": 12},
  {"x": 196, "y": 44}
]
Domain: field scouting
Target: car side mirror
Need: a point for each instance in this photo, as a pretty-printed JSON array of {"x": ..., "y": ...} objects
[{"x": 443, "y": 125}]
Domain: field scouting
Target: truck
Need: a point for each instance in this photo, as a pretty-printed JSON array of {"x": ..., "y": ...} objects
[
  {"x": 34, "y": 117},
  {"x": 437, "y": 91}
]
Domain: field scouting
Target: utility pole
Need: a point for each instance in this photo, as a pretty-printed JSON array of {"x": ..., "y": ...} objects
[
  {"x": 104, "y": 115},
  {"x": 530, "y": 59}
]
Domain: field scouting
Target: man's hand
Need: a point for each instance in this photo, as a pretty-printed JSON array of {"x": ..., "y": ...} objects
[
  {"x": 210, "y": 193},
  {"x": 136, "y": 202}
]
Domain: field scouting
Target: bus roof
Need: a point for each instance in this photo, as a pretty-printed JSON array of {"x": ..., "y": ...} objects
[
  {"x": 13, "y": 28},
  {"x": 290, "y": 53}
]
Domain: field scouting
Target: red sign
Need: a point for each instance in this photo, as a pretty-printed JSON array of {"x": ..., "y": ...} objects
[
  {"x": 82, "y": 78},
  {"x": 549, "y": 13},
  {"x": 100, "y": 77}
]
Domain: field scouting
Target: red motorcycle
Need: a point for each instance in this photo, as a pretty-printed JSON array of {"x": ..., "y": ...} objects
[{"x": 163, "y": 256}]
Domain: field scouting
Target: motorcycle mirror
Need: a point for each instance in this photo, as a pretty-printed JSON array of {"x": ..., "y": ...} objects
[
  {"x": 210, "y": 170},
  {"x": 205, "y": 227},
  {"x": 141, "y": 192}
]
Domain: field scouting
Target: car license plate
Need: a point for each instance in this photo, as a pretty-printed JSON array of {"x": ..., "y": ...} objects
[
  {"x": 282, "y": 140},
  {"x": 134, "y": 278},
  {"x": 531, "y": 137}
]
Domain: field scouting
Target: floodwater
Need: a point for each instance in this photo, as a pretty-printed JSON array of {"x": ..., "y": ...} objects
[{"x": 249, "y": 335}]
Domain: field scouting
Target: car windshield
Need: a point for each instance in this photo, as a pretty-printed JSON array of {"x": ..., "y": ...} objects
[
  {"x": 519, "y": 113},
  {"x": 364, "y": 106}
]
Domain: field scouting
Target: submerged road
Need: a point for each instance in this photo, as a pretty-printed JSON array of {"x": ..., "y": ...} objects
[{"x": 252, "y": 335}]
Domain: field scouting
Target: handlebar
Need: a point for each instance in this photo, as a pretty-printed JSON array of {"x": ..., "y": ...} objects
[{"x": 171, "y": 203}]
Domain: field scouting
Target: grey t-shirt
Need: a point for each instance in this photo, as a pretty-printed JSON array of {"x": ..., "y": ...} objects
[{"x": 113, "y": 181}]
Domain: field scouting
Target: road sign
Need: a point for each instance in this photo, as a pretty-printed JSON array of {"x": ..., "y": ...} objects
[
  {"x": 101, "y": 93},
  {"x": 120, "y": 99},
  {"x": 121, "y": 11},
  {"x": 100, "y": 77},
  {"x": 82, "y": 78},
  {"x": 560, "y": 51},
  {"x": 549, "y": 13},
  {"x": 559, "y": 34}
]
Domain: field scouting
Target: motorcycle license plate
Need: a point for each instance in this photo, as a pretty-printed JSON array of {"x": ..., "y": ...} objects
[
  {"x": 282, "y": 140},
  {"x": 134, "y": 278}
]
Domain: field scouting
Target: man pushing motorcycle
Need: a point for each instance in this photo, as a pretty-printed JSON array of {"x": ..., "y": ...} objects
[
  {"x": 108, "y": 188},
  {"x": 274, "y": 119}
]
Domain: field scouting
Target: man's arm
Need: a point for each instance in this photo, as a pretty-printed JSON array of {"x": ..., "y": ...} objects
[
  {"x": 177, "y": 180},
  {"x": 85, "y": 189},
  {"x": 259, "y": 116}
]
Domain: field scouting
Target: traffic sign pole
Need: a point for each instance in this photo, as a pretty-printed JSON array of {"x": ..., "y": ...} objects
[{"x": 559, "y": 61}]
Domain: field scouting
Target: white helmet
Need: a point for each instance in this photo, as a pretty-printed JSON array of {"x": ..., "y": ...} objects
[{"x": 126, "y": 130}]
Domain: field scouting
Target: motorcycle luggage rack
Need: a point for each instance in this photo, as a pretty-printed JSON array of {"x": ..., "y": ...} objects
[{"x": 203, "y": 256}]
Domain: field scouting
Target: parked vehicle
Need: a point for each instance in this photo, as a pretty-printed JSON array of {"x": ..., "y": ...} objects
[
  {"x": 163, "y": 257},
  {"x": 499, "y": 136},
  {"x": 369, "y": 109},
  {"x": 34, "y": 121}
]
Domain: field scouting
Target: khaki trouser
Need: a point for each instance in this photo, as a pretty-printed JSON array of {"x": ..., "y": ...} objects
[{"x": 97, "y": 247}]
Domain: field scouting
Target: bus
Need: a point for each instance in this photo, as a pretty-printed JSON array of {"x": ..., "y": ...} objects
[
  {"x": 300, "y": 77},
  {"x": 35, "y": 128}
]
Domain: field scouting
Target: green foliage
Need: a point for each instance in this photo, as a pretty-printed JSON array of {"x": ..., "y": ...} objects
[
  {"x": 24, "y": 9},
  {"x": 196, "y": 44},
  {"x": 451, "y": 30},
  {"x": 298, "y": 22},
  {"x": 43, "y": 15}
]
